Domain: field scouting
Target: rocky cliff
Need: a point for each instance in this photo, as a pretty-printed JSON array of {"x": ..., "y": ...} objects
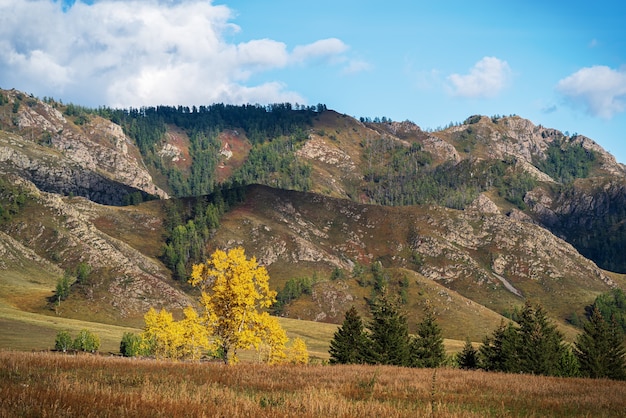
[{"x": 92, "y": 158}]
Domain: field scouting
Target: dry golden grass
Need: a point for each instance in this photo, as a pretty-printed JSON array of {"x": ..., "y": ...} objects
[{"x": 50, "y": 384}]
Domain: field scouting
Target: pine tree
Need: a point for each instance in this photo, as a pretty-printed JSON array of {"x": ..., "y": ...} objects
[
  {"x": 468, "y": 357},
  {"x": 349, "y": 342},
  {"x": 568, "y": 363},
  {"x": 389, "y": 333},
  {"x": 426, "y": 348},
  {"x": 600, "y": 349}
]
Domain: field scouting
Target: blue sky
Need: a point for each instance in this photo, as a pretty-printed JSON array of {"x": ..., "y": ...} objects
[{"x": 562, "y": 65}]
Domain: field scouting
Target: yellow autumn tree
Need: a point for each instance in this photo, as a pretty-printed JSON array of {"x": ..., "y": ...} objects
[
  {"x": 195, "y": 335},
  {"x": 234, "y": 292},
  {"x": 298, "y": 353},
  {"x": 162, "y": 335},
  {"x": 167, "y": 338},
  {"x": 274, "y": 338}
]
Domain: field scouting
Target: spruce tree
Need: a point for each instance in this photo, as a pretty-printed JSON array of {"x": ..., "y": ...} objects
[
  {"x": 389, "y": 333},
  {"x": 600, "y": 349},
  {"x": 540, "y": 344},
  {"x": 468, "y": 357},
  {"x": 568, "y": 364},
  {"x": 349, "y": 343},
  {"x": 426, "y": 348},
  {"x": 499, "y": 352}
]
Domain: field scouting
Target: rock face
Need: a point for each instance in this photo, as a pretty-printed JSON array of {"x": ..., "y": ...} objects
[
  {"x": 95, "y": 160},
  {"x": 520, "y": 138},
  {"x": 56, "y": 173},
  {"x": 482, "y": 204}
]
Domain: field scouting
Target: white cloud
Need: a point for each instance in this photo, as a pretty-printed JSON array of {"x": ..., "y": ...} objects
[
  {"x": 143, "y": 52},
  {"x": 600, "y": 90},
  {"x": 486, "y": 78},
  {"x": 324, "y": 49},
  {"x": 356, "y": 66}
]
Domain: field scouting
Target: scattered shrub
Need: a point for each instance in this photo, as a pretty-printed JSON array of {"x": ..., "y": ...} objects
[
  {"x": 131, "y": 345},
  {"x": 86, "y": 341},
  {"x": 63, "y": 341}
]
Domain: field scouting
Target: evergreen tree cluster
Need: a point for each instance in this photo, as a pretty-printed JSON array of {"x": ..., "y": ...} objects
[
  {"x": 601, "y": 235},
  {"x": 397, "y": 175},
  {"x": 274, "y": 130},
  {"x": 612, "y": 306},
  {"x": 190, "y": 227},
  {"x": 600, "y": 349},
  {"x": 533, "y": 345},
  {"x": 12, "y": 200},
  {"x": 566, "y": 162},
  {"x": 293, "y": 289},
  {"x": 386, "y": 339},
  {"x": 275, "y": 164}
]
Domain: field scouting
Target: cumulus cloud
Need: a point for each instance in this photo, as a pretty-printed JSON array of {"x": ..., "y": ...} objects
[
  {"x": 599, "y": 90},
  {"x": 486, "y": 78},
  {"x": 143, "y": 52}
]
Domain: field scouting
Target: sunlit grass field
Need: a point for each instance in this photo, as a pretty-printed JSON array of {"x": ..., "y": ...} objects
[{"x": 54, "y": 384}]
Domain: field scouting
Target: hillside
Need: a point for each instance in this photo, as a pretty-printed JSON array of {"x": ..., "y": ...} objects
[{"x": 472, "y": 220}]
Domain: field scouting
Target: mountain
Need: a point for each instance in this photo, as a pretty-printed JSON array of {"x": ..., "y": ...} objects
[{"x": 471, "y": 220}]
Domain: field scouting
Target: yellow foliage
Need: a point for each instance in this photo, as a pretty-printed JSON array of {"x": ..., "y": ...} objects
[
  {"x": 174, "y": 339},
  {"x": 274, "y": 338},
  {"x": 234, "y": 291},
  {"x": 163, "y": 334},
  {"x": 298, "y": 353},
  {"x": 195, "y": 335}
]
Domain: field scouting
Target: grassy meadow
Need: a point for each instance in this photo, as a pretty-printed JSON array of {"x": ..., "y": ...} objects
[{"x": 54, "y": 384}]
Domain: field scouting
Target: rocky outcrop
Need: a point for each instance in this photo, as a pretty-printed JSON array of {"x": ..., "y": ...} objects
[
  {"x": 526, "y": 142},
  {"x": 482, "y": 204},
  {"x": 93, "y": 159},
  {"x": 318, "y": 149},
  {"x": 55, "y": 173}
]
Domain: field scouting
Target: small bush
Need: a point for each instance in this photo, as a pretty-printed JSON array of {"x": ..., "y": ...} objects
[
  {"x": 86, "y": 341},
  {"x": 131, "y": 345},
  {"x": 63, "y": 341}
]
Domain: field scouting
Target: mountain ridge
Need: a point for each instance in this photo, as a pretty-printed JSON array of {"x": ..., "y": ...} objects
[{"x": 501, "y": 239}]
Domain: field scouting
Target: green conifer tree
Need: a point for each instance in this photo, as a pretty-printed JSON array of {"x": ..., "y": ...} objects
[
  {"x": 389, "y": 333},
  {"x": 540, "y": 344},
  {"x": 468, "y": 357},
  {"x": 600, "y": 349},
  {"x": 426, "y": 348},
  {"x": 499, "y": 352},
  {"x": 350, "y": 342}
]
